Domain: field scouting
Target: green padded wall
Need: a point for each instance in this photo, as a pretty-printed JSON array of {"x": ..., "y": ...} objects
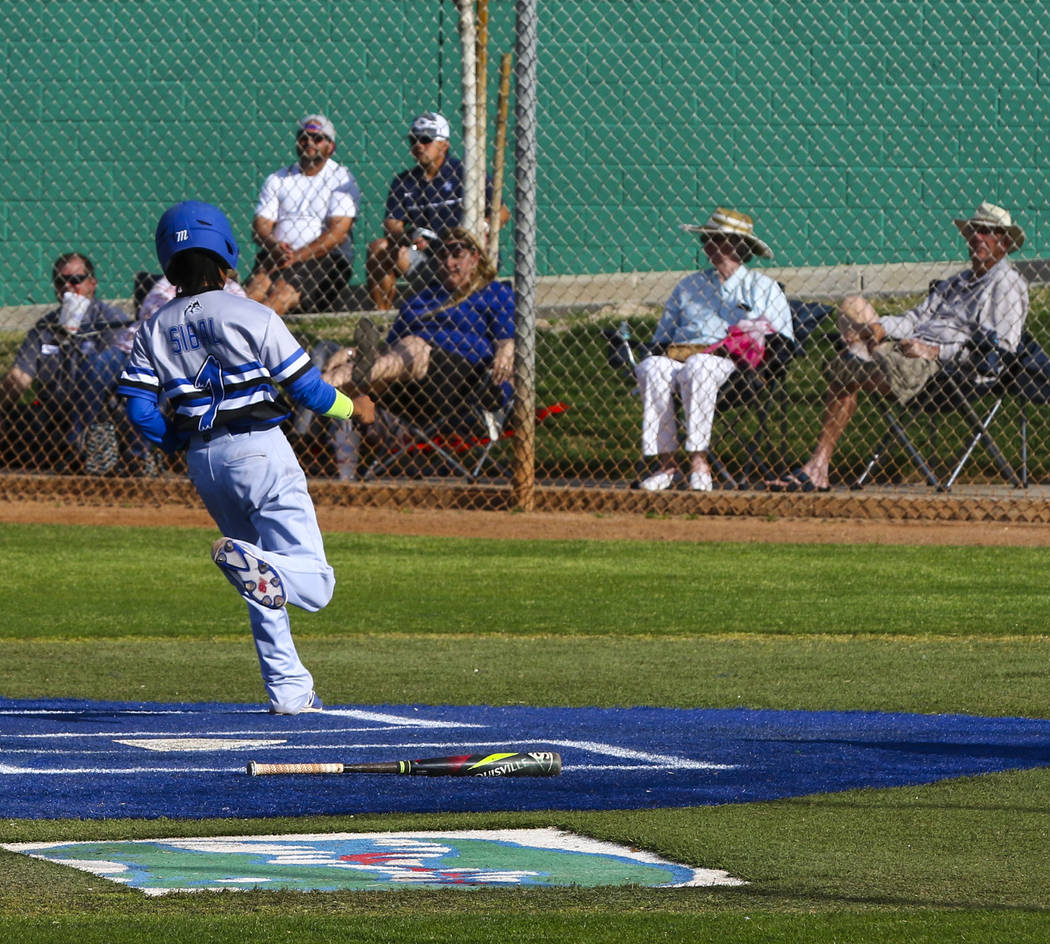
[{"x": 852, "y": 131}]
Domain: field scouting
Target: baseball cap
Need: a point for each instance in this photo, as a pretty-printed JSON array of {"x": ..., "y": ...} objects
[
  {"x": 318, "y": 124},
  {"x": 430, "y": 125}
]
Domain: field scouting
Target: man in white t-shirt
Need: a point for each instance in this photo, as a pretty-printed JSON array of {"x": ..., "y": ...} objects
[{"x": 303, "y": 224}]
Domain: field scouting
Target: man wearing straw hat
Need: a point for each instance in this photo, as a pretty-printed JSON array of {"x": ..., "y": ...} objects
[
  {"x": 705, "y": 311},
  {"x": 898, "y": 355}
]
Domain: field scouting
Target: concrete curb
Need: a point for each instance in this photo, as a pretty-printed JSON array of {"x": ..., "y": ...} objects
[
  {"x": 555, "y": 293},
  {"x": 883, "y": 505}
]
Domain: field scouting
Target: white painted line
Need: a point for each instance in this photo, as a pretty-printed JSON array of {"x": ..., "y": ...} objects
[
  {"x": 73, "y": 713},
  {"x": 119, "y": 771},
  {"x": 180, "y": 745},
  {"x": 660, "y": 760},
  {"x": 40, "y": 736},
  {"x": 409, "y": 722}
]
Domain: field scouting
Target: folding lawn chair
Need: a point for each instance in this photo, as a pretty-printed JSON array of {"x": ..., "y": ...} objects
[
  {"x": 746, "y": 387},
  {"x": 460, "y": 422},
  {"x": 975, "y": 389},
  {"x": 461, "y": 432},
  {"x": 1029, "y": 383}
]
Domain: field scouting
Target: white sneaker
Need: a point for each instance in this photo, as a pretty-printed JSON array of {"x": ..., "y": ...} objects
[
  {"x": 313, "y": 705},
  {"x": 253, "y": 578},
  {"x": 700, "y": 481},
  {"x": 659, "y": 481}
]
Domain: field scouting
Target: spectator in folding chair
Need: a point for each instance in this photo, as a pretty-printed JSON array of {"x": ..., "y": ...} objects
[
  {"x": 446, "y": 343},
  {"x": 897, "y": 356},
  {"x": 68, "y": 366},
  {"x": 714, "y": 320}
]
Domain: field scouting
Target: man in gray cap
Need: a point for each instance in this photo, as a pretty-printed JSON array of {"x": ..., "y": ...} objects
[
  {"x": 898, "y": 355},
  {"x": 303, "y": 223},
  {"x": 422, "y": 201}
]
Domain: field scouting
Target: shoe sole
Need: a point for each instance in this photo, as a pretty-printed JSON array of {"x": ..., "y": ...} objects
[{"x": 251, "y": 576}]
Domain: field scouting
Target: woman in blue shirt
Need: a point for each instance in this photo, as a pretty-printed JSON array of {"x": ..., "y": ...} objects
[{"x": 446, "y": 339}]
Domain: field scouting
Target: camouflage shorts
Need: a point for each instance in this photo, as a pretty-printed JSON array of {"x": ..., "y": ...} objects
[{"x": 889, "y": 367}]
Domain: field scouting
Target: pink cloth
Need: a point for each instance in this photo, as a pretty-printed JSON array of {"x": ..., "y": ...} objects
[{"x": 746, "y": 342}]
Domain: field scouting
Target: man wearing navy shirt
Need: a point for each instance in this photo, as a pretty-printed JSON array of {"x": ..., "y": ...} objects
[
  {"x": 423, "y": 201},
  {"x": 67, "y": 366}
]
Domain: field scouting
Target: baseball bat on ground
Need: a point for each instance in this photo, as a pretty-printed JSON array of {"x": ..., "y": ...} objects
[{"x": 508, "y": 764}]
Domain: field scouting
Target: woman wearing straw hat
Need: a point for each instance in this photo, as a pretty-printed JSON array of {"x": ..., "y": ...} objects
[{"x": 705, "y": 309}]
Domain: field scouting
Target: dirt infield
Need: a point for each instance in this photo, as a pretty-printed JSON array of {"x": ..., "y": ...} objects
[{"x": 549, "y": 525}]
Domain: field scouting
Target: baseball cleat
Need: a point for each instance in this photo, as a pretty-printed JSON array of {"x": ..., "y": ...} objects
[
  {"x": 252, "y": 576},
  {"x": 314, "y": 704}
]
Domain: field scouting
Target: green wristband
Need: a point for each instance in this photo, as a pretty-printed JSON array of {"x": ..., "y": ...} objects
[{"x": 342, "y": 408}]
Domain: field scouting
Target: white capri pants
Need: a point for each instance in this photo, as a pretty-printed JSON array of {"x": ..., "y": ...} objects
[{"x": 697, "y": 380}]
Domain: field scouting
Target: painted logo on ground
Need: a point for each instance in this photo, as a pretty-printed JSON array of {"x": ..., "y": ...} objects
[{"x": 346, "y": 861}]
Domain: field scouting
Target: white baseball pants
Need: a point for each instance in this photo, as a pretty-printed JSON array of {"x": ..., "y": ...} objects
[
  {"x": 254, "y": 488},
  {"x": 697, "y": 380}
]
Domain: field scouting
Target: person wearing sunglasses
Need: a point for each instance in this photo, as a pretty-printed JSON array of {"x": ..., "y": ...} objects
[
  {"x": 70, "y": 360},
  {"x": 446, "y": 344},
  {"x": 898, "y": 355},
  {"x": 422, "y": 201},
  {"x": 303, "y": 225}
]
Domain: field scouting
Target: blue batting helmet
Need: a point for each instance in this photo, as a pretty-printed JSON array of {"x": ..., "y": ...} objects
[{"x": 195, "y": 225}]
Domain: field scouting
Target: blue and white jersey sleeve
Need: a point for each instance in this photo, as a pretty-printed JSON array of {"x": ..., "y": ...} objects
[
  {"x": 139, "y": 378},
  {"x": 292, "y": 368}
]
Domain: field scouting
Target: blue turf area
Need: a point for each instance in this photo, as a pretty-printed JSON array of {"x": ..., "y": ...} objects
[{"x": 83, "y": 759}]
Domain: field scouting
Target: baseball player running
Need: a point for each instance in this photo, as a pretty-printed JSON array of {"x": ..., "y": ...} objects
[{"x": 218, "y": 359}]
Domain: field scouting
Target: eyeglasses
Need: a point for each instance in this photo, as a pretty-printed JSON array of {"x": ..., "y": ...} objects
[
  {"x": 73, "y": 279},
  {"x": 456, "y": 251},
  {"x": 419, "y": 139},
  {"x": 312, "y": 136}
]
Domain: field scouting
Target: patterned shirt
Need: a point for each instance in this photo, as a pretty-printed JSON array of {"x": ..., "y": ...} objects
[{"x": 430, "y": 204}]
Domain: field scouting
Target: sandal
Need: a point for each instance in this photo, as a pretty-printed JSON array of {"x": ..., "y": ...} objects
[{"x": 796, "y": 481}]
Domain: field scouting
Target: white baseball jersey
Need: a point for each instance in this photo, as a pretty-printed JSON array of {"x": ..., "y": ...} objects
[
  {"x": 299, "y": 205},
  {"x": 217, "y": 358}
]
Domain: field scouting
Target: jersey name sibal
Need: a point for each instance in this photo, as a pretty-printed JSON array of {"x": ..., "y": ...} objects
[{"x": 190, "y": 335}]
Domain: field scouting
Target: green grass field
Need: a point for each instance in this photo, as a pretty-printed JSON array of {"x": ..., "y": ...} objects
[{"x": 141, "y": 615}]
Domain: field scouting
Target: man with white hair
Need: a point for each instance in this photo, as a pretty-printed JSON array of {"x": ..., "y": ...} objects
[
  {"x": 898, "y": 355},
  {"x": 303, "y": 224}
]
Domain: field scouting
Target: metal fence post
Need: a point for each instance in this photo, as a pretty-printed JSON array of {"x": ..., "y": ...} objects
[{"x": 524, "y": 418}]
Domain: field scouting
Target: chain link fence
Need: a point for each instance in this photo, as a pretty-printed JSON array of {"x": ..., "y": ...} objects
[{"x": 853, "y": 135}]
